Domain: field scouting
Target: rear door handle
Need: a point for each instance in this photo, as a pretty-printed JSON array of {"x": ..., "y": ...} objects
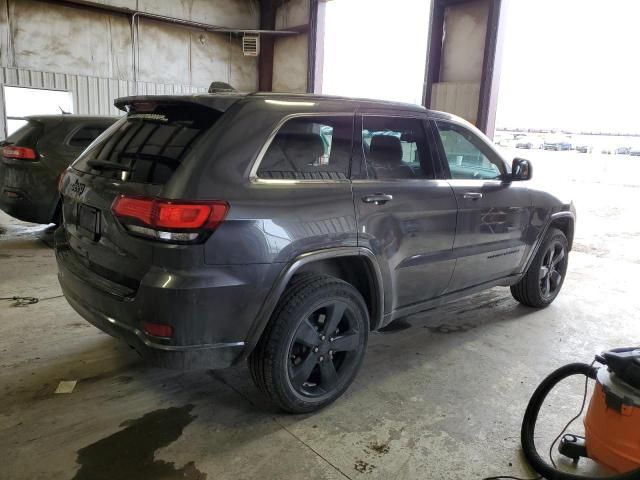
[
  {"x": 378, "y": 198},
  {"x": 471, "y": 195}
]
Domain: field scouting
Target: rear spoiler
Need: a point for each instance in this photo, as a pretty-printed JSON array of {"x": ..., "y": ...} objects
[{"x": 219, "y": 102}]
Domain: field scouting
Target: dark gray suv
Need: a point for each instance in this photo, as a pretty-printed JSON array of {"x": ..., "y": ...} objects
[
  {"x": 211, "y": 229},
  {"x": 33, "y": 158}
]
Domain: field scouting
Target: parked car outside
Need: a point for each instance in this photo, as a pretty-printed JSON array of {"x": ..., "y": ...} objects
[
  {"x": 584, "y": 148},
  {"x": 634, "y": 151},
  {"x": 204, "y": 231},
  {"x": 529, "y": 142},
  {"x": 34, "y": 156},
  {"x": 557, "y": 143},
  {"x": 623, "y": 150},
  {"x": 504, "y": 139}
]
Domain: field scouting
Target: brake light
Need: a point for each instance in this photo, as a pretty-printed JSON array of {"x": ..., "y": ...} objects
[
  {"x": 21, "y": 153},
  {"x": 169, "y": 220},
  {"x": 158, "y": 329}
]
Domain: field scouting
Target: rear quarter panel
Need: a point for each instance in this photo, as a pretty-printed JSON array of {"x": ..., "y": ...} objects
[
  {"x": 37, "y": 180},
  {"x": 269, "y": 221}
]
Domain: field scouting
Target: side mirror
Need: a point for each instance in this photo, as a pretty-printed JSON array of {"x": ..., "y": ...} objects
[{"x": 521, "y": 169}]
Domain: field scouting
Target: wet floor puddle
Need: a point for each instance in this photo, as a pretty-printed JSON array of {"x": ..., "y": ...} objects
[{"x": 129, "y": 453}]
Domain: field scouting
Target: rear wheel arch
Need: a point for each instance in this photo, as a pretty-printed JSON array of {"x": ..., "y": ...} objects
[
  {"x": 350, "y": 264},
  {"x": 358, "y": 270}
]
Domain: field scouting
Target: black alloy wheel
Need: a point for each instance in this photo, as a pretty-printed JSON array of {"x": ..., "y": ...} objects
[
  {"x": 552, "y": 270},
  {"x": 541, "y": 283},
  {"x": 313, "y": 346},
  {"x": 323, "y": 349}
]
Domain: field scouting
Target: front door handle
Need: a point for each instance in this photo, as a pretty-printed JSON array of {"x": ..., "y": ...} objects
[
  {"x": 472, "y": 195},
  {"x": 378, "y": 198}
]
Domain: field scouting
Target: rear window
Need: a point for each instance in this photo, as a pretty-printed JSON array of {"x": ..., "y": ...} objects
[
  {"x": 149, "y": 145},
  {"x": 26, "y": 136},
  {"x": 85, "y": 135}
]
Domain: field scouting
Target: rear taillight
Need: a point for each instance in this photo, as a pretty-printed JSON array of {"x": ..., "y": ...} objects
[
  {"x": 20, "y": 153},
  {"x": 158, "y": 329},
  {"x": 169, "y": 220},
  {"x": 61, "y": 180}
]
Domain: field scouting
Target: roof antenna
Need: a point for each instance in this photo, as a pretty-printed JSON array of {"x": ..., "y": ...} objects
[{"x": 63, "y": 112}]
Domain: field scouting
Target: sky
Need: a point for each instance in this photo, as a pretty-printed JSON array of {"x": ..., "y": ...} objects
[
  {"x": 376, "y": 48},
  {"x": 571, "y": 64},
  {"x": 567, "y": 64}
]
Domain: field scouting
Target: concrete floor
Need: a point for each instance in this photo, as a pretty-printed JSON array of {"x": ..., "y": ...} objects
[{"x": 442, "y": 399}]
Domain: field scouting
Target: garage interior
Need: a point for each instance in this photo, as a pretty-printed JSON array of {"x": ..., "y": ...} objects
[{"x": 440, "y": 394}]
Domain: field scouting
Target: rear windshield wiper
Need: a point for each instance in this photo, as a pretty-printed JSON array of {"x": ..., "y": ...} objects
[{"x": 106, "y": 165}]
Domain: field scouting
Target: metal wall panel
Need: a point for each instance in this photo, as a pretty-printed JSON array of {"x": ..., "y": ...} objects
[{"x": 91, "y": 95}]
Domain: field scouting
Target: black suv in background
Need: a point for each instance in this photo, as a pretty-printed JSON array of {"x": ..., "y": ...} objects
[
  {"x": 211, "y": 229},
  {"x": 34, "y": 156}
]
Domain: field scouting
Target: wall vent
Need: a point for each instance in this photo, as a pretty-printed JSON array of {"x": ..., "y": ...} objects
[{"x": 251, "y": 45}]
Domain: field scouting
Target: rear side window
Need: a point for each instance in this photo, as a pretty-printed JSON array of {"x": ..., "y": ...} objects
[
  {"x": 396, "y": 148},
  {"x": 309, "y": 148},
  {"x": 85, "y": 135},
  {"x": 149, "y": 147},
  {"x": 26, "y": 136}
]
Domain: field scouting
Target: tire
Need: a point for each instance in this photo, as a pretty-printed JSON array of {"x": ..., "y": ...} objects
[
  {"x": 544, "y": 278},
  {"x": 314, "y": 344}
]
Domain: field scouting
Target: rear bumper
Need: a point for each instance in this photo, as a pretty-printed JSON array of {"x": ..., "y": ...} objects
[
  {"x": 182, "y": 357},
  {"x": 211, "y": 311},
  {"x": 20, "y": 205},
  {"x": 28, "y": 192}
]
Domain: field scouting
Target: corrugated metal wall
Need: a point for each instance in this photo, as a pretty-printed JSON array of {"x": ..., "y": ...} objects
[{"x": 91, "y": 95}]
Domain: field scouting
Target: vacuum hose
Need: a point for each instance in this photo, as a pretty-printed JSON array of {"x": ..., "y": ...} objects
[{"x": 531, "y": 417}]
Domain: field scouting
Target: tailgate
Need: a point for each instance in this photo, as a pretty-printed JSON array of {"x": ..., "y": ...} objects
[
  {"x": 137, "y": 156},
  {"x": 94, "y": 233}
]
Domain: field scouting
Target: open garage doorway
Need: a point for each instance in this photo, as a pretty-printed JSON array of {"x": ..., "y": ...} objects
[
  {"x": 569, "y": 102},
  {"x": 376, "y": 49},
  {"x": 21, "y": 102}
]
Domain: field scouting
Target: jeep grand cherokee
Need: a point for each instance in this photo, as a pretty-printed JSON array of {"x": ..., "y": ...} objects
[{"x": 281, "y": 229}]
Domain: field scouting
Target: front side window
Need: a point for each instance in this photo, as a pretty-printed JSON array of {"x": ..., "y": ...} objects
[
  {"x": 468, "y": 157},
  {"x": 309, "y": 148},
  {"x": 395, "y": 148}
]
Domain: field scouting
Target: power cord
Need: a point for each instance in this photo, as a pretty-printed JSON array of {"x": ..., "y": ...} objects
[
  {"x": 539, "y": 477},
  {"x": 584, "y": 403},
  {"x": 26, "y": 301},
  {"x": 509, "y": 477}
]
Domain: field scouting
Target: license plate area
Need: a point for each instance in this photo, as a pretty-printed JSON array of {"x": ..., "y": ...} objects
[{"x": 89, "y": 221}]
